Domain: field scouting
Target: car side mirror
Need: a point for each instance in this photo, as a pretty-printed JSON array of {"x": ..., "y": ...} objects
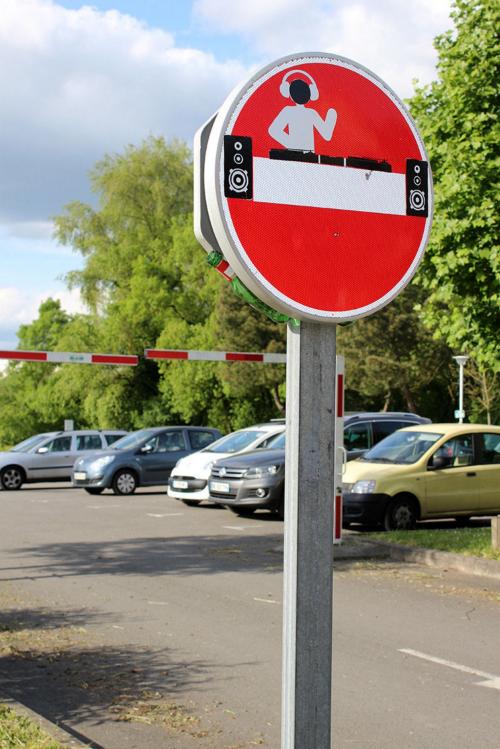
[
  {"x": 42, "y": 450},
  {"x": 438, "y": 462},
  {"x": 146, "y": 449}
]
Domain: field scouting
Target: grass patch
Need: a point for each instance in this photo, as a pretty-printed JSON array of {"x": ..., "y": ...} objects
[
  {"x": 18, "y": 732},
  {"x": 475, "y": 542}
]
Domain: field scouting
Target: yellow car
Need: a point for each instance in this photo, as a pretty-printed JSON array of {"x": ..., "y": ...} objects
[{"x": 423, "y": 472}]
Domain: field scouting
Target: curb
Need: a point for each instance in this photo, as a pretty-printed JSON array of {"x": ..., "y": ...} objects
[
  {"x": 54, "y": 731},
  {"x": 441, "y": 559}
]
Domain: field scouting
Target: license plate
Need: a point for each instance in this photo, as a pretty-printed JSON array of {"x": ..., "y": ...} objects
[
  {"x": 219, "y": 486},
  {"x": 80, "y": 476},
  {"x": 176, "y": 484}
]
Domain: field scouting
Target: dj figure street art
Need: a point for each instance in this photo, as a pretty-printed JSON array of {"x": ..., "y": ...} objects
[
  {"x": 318, "y": 188},
  {"x": 295, "y": 124}
]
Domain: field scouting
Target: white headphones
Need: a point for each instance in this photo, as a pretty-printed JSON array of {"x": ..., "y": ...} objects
[{"x": 285, "y": 86}]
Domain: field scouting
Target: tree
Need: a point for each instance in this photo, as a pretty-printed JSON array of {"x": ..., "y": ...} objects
[
  {"x": 29, "y": 404},
  {"x": 458, "y": 119},
  {"x": 132, "y": 279},
  {"x": 392, "y": 361}
]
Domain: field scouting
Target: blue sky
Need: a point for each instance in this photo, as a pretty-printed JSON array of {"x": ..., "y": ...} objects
[{"x": 80, "y": 80}]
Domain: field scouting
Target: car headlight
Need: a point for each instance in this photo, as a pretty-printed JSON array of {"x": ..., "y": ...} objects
[
  {"x": 258, "y": 472},
  {"x": 363, "y": 487},
  {"x": 100, "y": 463}
]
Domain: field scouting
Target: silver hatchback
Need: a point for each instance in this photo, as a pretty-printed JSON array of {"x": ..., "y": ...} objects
[{"x": 50, "y": 456}]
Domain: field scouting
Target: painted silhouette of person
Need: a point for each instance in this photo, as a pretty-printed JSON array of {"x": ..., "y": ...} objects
[{"x": 295, "y": 125}]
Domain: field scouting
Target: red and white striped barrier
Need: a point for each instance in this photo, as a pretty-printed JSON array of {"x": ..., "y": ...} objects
[
  {"x": 66, "y": 357},
  {"x": 340, "y": 457},
  {"x": 160, "y": 354}
]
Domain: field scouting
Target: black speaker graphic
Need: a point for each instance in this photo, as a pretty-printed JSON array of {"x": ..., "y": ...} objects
[
  {"x": 417, "y": 188},
  {"x": 238, "y": 172}
]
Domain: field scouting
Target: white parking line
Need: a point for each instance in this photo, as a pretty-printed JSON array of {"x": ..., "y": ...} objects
[
  {"x": 265, "y": 600},
  {"x": 164, "y": 514},
  {"x": 492, "y": 681},
  {"x": 158, "y": 603},
  {"x": 241, "y": 527}
]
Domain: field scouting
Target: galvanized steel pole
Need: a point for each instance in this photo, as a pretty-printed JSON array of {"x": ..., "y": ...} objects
[{"x": 308, "y": 558}]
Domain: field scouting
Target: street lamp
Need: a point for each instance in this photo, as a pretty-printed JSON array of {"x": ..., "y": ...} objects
[{"x": 461, "y": 361}]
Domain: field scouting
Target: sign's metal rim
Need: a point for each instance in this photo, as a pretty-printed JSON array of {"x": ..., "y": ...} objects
[{"x": 218, "y": 208}]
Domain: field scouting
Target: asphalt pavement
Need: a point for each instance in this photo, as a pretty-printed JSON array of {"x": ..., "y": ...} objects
[{"x": 141, "y": 623}]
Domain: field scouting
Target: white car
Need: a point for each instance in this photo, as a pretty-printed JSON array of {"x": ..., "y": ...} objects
[{"x": 189, "y": 478}]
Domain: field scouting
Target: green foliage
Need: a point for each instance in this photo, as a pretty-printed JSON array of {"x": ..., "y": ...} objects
[
  {"x": 458, "y": 118},
  {"x": 393, "y": 363},
  {"x": 19, "y": 732},
  {"x": 29, "y": 403}
]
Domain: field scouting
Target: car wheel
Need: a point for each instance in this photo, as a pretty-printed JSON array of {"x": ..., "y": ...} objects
[
  {"x": 124, "y": 482},
  {"x": 12, "y": 478},
  {"x": 191, "y": 502},
  {"x": 243, "y": 512},
  {"x": 401, "y": 515},
  {"x": 94, "y": 489}
]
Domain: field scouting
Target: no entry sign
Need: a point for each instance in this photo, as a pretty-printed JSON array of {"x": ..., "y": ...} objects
[{"x": 318, "y": 189}]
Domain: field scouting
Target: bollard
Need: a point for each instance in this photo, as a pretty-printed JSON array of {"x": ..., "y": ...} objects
[{"x": 495, "y": 532}]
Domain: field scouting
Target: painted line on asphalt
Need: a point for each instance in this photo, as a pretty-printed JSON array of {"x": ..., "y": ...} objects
[
  {"x": 158, "y": 603},
  {"x": 491, "y": 681},
  {"x": 240, "y": 527},
  {"x": 265, "y": 600},
  {"x": 164, "y": 514}
]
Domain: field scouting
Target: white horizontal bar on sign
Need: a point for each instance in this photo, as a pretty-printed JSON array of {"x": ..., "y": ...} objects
[
  {"x": 68, "y": 357},
  {"x": 326, "y": 186}
]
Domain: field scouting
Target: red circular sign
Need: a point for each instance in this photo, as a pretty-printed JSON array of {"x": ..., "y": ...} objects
[{"x": 318, "y": 188}]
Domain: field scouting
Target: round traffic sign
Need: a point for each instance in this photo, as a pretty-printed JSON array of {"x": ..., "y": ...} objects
[{"x": 318, "y": 188}]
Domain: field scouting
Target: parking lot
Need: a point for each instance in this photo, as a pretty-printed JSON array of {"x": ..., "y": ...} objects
[{"x": 140, "y": 622}]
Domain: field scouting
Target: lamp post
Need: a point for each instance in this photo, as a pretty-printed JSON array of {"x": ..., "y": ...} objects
[{"x": 461, "y": 361}]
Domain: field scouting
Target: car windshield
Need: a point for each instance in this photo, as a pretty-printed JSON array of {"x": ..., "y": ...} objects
[
  {"x": 133, "y": 440},
  {"x": 401, "y": 447},
  {"x": 277, "y": 442},
  {"x": 233, "y": 443},
  {"x": 26, "y": 445}
]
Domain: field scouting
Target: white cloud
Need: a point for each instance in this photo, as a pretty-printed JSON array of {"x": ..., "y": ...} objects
[
  {"x": 393, "y": 39},
  {"x": 75, "y": 84},
  {"x": 18, "y": 307}
]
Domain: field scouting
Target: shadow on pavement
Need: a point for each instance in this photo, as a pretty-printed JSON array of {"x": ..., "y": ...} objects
[
  {"x": 94, "y": 683},
  {"x": 36, "y": 619},
  {"x": 181, "y": 555}
]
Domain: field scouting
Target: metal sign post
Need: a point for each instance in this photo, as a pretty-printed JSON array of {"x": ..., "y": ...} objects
[
  {"x": 314, "y": 187},
  {"x": 308, "y": 573}
]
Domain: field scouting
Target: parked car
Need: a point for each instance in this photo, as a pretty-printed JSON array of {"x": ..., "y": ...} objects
[
  {"x": 423, "y": 472},
  {"x": 189, "y": 479},
  {"x": 142, "y": 458},
  {"x": 256, "y": 479},
  {"x": 363, "y": 430},
  {"x": 50, "y": 456},
  {"x": 252, "y": 480}
]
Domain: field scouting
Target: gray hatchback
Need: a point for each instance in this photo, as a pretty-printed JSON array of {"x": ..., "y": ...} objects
[
  {"x": 50, "y": 456},
  {"x": 143, "y": 458}
]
